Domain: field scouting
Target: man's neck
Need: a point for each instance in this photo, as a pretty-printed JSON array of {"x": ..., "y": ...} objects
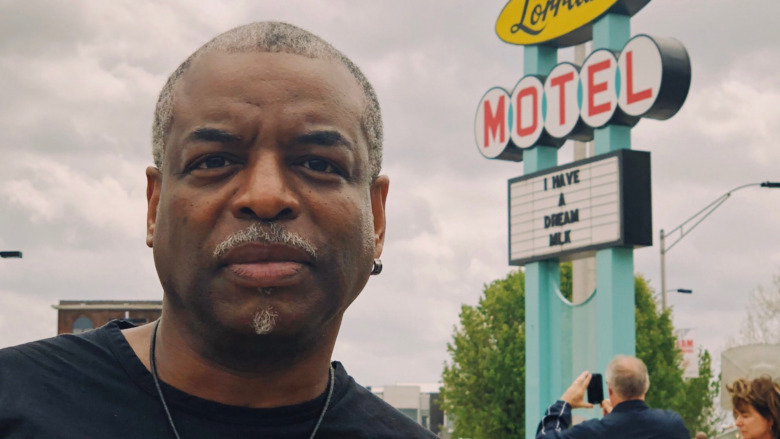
[
  {"x": 252, "y": 383},
  {"x": 617, "y": 400}
]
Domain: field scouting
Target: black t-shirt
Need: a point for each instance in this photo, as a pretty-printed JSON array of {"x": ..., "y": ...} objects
[{"x": 92, "y": 385}]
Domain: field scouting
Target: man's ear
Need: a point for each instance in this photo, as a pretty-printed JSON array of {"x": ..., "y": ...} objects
[
  {"x": 379, "y": 190},
  {"x": 153, "y": 186}
]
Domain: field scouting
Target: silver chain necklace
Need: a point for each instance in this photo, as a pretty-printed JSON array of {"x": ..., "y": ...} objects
[{"x": 153, "y": 364}]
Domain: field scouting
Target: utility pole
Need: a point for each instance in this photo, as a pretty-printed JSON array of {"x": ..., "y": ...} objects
[{"x": 699, "y": 216}]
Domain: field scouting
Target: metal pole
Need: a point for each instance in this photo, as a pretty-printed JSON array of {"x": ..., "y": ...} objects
[
  {"x": 663, "y": 273},
  {"x": 706, "y": 212},
  {"x": 583, "y": 270}
]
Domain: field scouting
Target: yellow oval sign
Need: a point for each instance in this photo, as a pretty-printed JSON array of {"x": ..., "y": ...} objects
[{"x": 563, "y": 22}]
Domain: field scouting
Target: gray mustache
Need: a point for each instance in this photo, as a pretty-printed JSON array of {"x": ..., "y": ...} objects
[{"x": 266, "y": 233}]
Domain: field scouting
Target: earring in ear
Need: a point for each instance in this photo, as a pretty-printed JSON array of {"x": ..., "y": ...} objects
[{"x": 377, "y": 267}]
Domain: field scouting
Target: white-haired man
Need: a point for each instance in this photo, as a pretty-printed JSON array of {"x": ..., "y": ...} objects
[
  {"x": 625, "y": 413},
  {"x": 266, "y": 217}
]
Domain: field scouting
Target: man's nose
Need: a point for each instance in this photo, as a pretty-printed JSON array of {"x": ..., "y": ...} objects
[{"x": 265, "y": 192}]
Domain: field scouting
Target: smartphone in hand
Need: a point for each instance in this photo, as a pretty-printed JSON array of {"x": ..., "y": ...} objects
[{"x": 595, "y": 389}]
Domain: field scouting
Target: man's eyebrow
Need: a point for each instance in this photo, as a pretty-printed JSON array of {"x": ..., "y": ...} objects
[
  {"x": 324, "y": 138},
  {"x": 213, "y": 135}
]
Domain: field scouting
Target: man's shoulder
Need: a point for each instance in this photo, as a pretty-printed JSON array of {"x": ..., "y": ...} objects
[
  {"x": 37, "y": 352},
  {"x": 597, "y": 427},
  {"x": 37, "y": 367},
  {"x": 666, "y": 415},
  {"x": 55, "y": 354},
  {"x": 650, "y": 422},
  {"x": 669, "y": 422}
]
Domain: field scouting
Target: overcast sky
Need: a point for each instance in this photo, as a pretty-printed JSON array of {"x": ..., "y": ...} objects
[{"x": 78, "y": 82}]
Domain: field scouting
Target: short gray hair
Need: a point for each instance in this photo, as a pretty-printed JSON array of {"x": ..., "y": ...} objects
[
  {"x": 627, "y": 376},
  {"x": 272, "y": 37}
]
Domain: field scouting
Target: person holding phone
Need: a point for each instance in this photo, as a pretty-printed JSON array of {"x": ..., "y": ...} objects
[{"x": 625, "y": 413}]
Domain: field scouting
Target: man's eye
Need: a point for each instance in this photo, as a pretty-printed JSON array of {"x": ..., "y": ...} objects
[
  {"x": 319, "y": 165},
  {"x": 213, "y": 162}
]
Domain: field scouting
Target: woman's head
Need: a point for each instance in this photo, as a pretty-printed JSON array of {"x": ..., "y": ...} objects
[{"x": 756, "y": 407}]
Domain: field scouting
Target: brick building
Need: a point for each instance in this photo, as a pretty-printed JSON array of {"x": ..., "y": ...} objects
[{"x": 74, "y": 316}]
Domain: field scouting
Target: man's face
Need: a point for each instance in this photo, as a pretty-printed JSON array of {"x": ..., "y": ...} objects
[{"x": 268, "y": 139}]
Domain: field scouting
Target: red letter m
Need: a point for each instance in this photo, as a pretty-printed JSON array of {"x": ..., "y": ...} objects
[{"x": 494, "y": 122}]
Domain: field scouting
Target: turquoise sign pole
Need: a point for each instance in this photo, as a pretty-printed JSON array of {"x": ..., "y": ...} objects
[
  {"x": 616, "y": 328},
  {"x": 542, "y": 350},
  {"x": 615, "y": 331}
]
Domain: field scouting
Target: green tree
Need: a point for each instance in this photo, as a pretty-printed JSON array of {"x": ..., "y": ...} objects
[
  {"x": 693, "y": 398},
  {"x": 484, "y": 382},
  {"x": 484, "y": 386}
]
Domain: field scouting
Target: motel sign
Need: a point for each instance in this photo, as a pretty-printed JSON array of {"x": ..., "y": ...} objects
[
  {"x": 647, "y": 79},
  {"x": 600, "y": 206}
]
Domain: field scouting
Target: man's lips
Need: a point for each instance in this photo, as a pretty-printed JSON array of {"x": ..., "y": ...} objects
[{"x": 260, "y": 265}]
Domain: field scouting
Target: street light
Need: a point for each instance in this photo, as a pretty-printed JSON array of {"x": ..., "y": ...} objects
[
  {"x": 677, "y": 290},
  {"x": 680, "y": 290},
  {"x": 701, "y": 215},
  {"x": 11, "y": 254}
]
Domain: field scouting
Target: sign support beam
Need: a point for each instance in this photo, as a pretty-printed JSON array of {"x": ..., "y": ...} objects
[
  {"x": 542, "y": 341},
  {"x": 612, "y": 31},
  {"x": 614, "y": 266},
  {"x": 542, "y": 335}
]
